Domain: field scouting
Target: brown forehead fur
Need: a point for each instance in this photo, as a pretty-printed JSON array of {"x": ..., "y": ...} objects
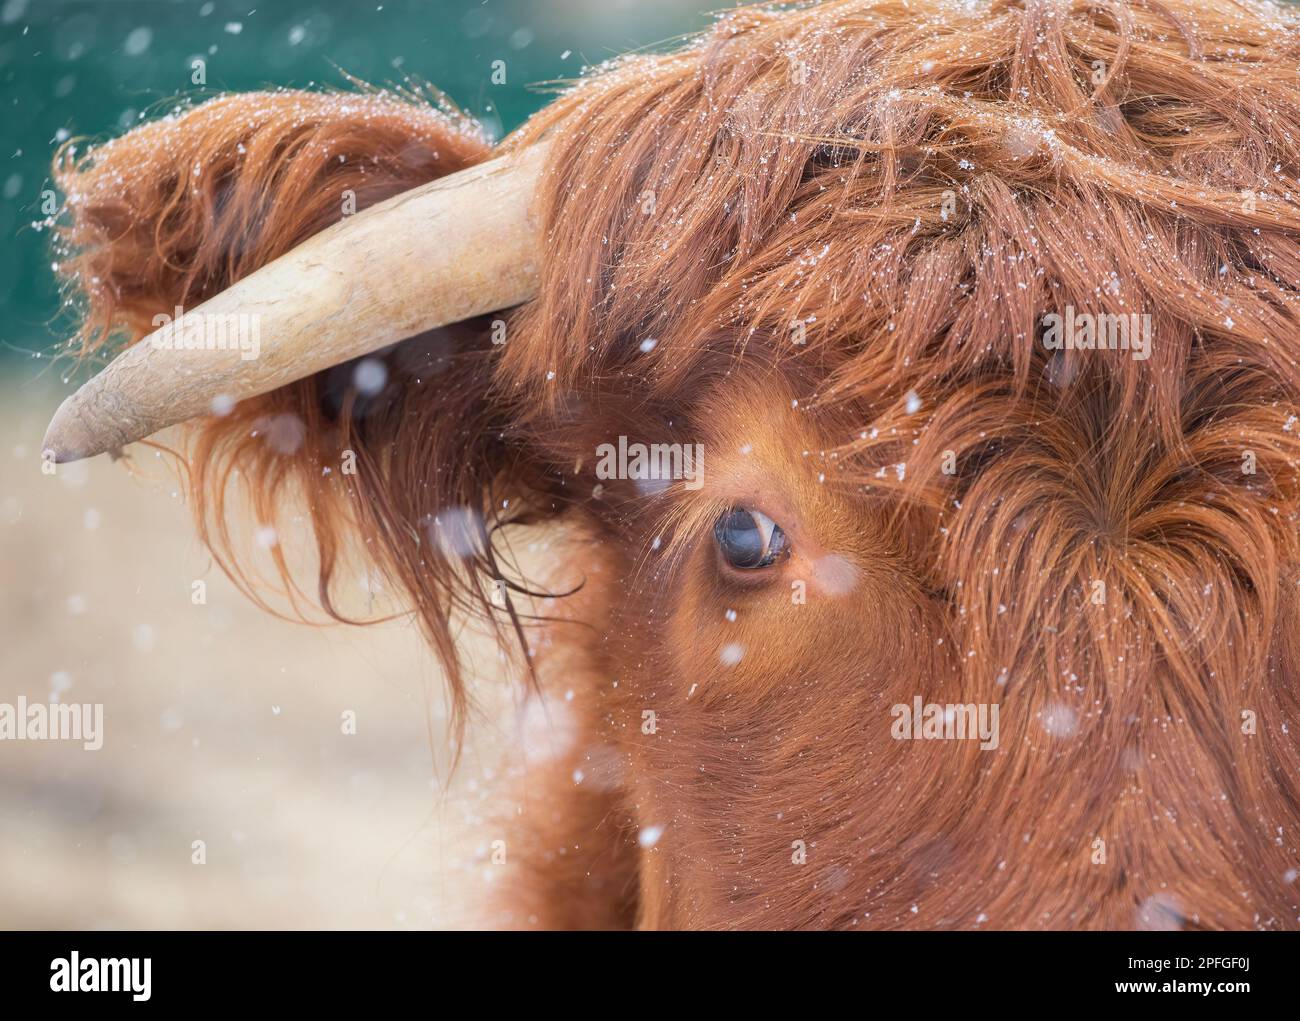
[{"x": 917, "y": 184}]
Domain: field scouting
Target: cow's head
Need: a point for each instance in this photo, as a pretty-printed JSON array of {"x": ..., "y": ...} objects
[{"x": 827, "y": 271}]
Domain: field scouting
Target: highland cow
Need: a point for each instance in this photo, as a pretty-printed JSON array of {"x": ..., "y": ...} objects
[{"x": 821, "y": 244}]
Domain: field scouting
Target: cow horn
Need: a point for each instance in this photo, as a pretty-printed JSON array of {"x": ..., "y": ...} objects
[{"x": 457, "y": 247}]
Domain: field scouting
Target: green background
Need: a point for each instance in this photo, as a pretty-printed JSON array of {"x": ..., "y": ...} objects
[{"x": 93, "y": 68}]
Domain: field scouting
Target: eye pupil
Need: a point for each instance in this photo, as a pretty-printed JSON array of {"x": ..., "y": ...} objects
[{"x": 749, "y": 540}]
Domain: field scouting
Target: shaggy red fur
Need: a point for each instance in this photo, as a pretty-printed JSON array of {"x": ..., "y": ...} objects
[{"x": 917, "y": 184}]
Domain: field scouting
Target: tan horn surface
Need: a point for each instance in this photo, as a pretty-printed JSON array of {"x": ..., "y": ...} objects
[{"x": 457, "y": 247}]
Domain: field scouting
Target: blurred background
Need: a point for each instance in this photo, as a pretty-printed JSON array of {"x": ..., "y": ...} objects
[{"x": 222, "y": 722}]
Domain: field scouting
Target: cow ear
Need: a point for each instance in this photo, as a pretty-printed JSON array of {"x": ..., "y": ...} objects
[{"x": 393, "y": 455}]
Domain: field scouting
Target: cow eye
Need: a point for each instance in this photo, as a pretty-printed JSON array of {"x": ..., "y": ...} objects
[{"x": 749, "y": 539}]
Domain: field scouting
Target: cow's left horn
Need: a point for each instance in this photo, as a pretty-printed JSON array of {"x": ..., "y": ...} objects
[{"x": 457, "y": 247}]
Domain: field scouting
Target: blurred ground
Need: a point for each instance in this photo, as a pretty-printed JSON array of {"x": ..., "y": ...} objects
[{"x": 222, "y": 723}]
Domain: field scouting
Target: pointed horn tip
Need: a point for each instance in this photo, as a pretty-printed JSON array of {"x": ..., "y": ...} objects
[{"x": 67, "y": 439}]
